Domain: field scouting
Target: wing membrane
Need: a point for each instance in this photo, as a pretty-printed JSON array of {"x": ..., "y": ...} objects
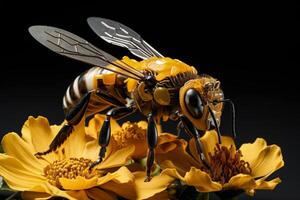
[
  {"x": 118, "y": 34},
  {"x": 73, "y": 46}
]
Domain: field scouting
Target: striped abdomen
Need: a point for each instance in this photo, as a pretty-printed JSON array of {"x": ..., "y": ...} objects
[{"x": 86, "y": 83}]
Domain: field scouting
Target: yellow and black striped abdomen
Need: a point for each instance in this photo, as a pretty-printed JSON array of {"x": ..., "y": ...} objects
[{"x": 93, "y": 81}]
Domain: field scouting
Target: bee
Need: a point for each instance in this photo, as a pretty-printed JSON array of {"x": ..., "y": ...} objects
[{"x": 159, "y": 87}]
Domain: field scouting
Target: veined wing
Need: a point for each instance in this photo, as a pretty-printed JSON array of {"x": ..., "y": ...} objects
[
  {"x": 73, "y": 46},
  {"x": 118, "y": 34}
]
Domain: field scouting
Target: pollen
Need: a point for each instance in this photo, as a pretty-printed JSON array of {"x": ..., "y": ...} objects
[
  {"x": 129, "y": 132},
  {"x": 68, "y": 168},
  {"x": 226, "y": 163}
]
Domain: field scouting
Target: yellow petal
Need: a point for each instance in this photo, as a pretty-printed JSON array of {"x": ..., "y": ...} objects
[
  {"x": 14, "y": 146},
  {"x": 75, "y": 143},
  {"x": 125, "y": 190},
  {"x": 167, "y": 142},
  {"x": 16, "y": 176},
  {"x": 269, "y": 160},
  {"x": 55, "y": 192},
  {"x": 156, "y": 185},
  {"x": 39, "y": 131},
  {"x": 94, "y": 126},
  {"x": 209, "y": 141},
  {"x": 160, "y": 196},
  {"x": 91, "y": 150},
  {"x": 240, "y": 181},
  {"x": 267, "y": 185},
  {"x": 122, "y": 175},
  {"x": 171, "y": 151},
  {"x": 182, "y": 165},
  {"x": 79, "y": 183},
  {"x": 208, "y": 145},
  {"x": 250, "y": 151},
  {"x": 201, "y": 181},
  {"x": 98, "y": 194},
  {"x": 27, "y": 195},
  {"x": 117, "y": 158}
]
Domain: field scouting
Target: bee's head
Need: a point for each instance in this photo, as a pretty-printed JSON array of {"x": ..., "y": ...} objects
[{"x": 200, "y": 99}]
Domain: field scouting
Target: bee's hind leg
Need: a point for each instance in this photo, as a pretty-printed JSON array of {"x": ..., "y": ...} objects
[
  {"x": 104, "y": 135},
  {"x": 73, "y": 117}
]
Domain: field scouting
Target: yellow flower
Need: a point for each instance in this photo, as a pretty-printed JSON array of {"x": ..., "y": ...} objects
[
  {"x": 230, "y": 169},
  {"x": 64, "y": 173}
]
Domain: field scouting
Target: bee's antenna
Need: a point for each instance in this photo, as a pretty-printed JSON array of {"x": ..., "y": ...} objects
[
  {"x": 215, "y": 124},
  {"x": 232, "y": 115}
]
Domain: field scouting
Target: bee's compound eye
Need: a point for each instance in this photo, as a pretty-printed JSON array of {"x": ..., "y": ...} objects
[{"x": 193, "y": 103}]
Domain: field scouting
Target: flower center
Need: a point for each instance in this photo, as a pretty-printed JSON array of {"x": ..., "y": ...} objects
[
  {"x": 226, "y": 163},
  {"x": 68, "y": 168},
  {"x": 130, "y": 131}
]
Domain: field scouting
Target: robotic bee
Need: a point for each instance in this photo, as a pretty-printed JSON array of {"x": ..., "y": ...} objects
[{"x": 160, "y": 88}]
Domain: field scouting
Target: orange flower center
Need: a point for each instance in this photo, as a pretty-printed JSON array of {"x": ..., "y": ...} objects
[
  {"x": 68, "y": 168},
  {"x": 130, "y": 131},
  {"x": 226, "y": 163}
]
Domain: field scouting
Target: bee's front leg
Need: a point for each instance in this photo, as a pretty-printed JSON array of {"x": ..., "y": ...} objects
[
  {"x": 104, "y": 135},
  {"x": 191, "y": 130},
  {"x": 152, "y": 138}
]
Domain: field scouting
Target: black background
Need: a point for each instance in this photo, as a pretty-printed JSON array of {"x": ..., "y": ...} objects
[{"x": 253, "y": 49}]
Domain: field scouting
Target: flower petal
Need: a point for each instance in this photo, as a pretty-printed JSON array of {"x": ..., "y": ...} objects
[
  {"x": 250, "y": 151},
  {"x": 91, "y": 150},
  {"x": 208, "y": 146},
  {"x": 55, "y": 192},
  {"x": 240, "y": 181},
  {"x": 182, "y": 165},
  {"x": 16, "y": 176},
  {"x": 28, "y": 195},
  {"x": 38, "y": 132},
  {"x": 14, "y": 146},
  {"x": 122, "y": 175},
  {"x": 79, "y": 183},
  {"x": 269, "y": 160},
  {"x": 125, "y": 190},
  {"x": 201, "y": 181},
  {"x": 267, "y": 185},
  {"x": 117, "y": 158},
  {"x": 98, "y": 194},
  {"x": 156, "y": 185},
  {"x": 76, "y": 142},
  {"x": 95, "y": 125}
]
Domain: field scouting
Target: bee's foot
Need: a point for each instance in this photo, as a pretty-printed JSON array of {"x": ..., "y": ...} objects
[
  {"x": 94, "y": 164},
  {"x": 148, "y": 179},
  {"x": 40, "y": 154}
]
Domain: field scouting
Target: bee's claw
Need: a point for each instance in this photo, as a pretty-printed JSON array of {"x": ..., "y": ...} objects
[
  {"x": 148, "y": 179},
  {"x": 40, "y": 154}
]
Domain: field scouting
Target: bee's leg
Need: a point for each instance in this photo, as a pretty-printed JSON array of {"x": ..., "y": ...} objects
[
  {"x": 73, "y": 117},
  {"x": 152, "y": 138},
  {"x": 104, "y": 135},
  {"x": 180, "y": 129},
  {"x": 191, "y": 130}
]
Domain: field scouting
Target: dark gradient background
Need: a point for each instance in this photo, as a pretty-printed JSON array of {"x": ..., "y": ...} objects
[{"x": 253, "y": 49}]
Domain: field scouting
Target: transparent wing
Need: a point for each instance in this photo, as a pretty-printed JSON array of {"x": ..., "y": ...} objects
[
  {"x": 118, "y": 34},
  {"x": 73, "y": 46}
]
